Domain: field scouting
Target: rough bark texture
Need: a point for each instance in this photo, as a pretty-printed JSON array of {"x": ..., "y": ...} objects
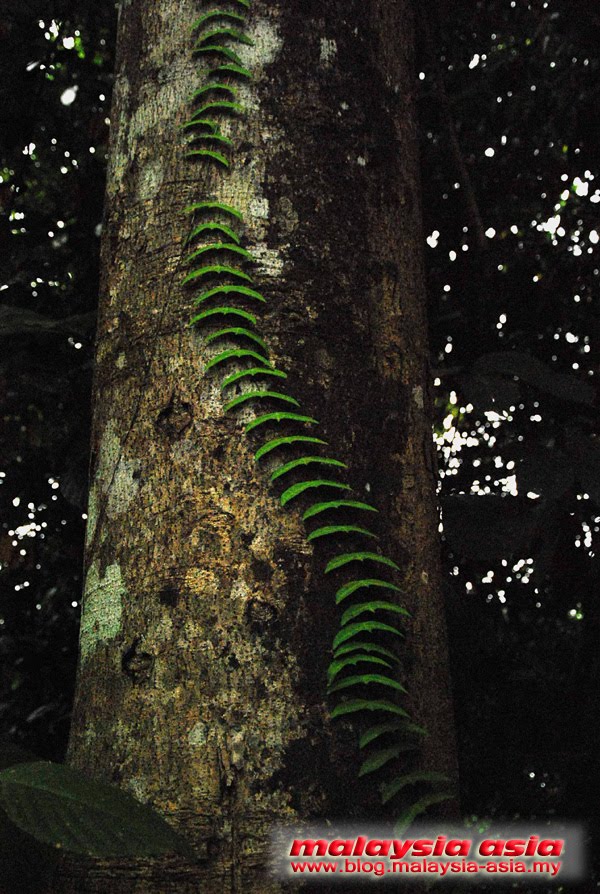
[{"x": 206, "y": 623}]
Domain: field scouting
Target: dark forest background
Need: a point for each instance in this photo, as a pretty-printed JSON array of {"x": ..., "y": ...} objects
[{"x": 510, "y": 131}]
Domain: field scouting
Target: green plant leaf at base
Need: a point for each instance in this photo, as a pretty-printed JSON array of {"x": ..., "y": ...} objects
[
  {"x": 354, "y": 585},
  {"x": 317, "y": 508},
  {"x": 297, "y": 489},
  {"x": 359, "y": 627},
  {"x": 305, "y": 461},
  {"x": 329, "y": 530},
  {"x": 213, "y": 206},
  {"x": 274, "y": 443},
  {"x": 346, "y": 558},
  {"x": 365, "y": 680},
  {"x": 65, "y": 809},
  {"x": 390, "y": 790},
  {"x": 215, "y": 270},
  {"x": 229, "y": 290},
  {"x": 415, "y": 810},
  {"x": 259, "y": 395},
  {"x": 235, "y": 354},
  {"x": 376, "y": 606},
  {"x": 252, "y": 373},
  {"x": 237, "y": 331},
  {"x": 364, "y": 704},
  {"x": 350, "y": 661},
  {"x": 280, "y": 417},
  {"x": 225, "y": 312}
]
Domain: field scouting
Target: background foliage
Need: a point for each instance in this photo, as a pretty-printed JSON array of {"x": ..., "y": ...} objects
[{"x": 511, "y": 192}]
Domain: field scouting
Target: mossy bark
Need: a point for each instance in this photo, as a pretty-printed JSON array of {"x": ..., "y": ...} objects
[{"x": 206, "y": 621}]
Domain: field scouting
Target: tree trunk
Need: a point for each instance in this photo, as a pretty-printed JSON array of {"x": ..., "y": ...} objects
[{"x": 207, "y": 623}]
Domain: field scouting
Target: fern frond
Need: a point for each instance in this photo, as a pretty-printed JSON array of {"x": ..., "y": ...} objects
[
  {"x": 354, "y": 585},
  {"x": 215, "y": 270},
  {"x": 280, "y": 417},
  {"x": 237, "y": 331},
  {"x": 229, "y": 290},
  {"x": 284, "y": 442},
  {"x": 237, "y": 354},
  {"x": 251, "y": 373},
  {"x": 225, "y": 312},
  {"x": 297, "y": 489},
  {"x": 346, "y": 558},
  {"x": 259, "y": 395},
  {"x": 304, "y": 461}
]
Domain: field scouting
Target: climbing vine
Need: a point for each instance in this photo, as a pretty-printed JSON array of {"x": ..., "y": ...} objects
[{"x": 362, "y": 675}]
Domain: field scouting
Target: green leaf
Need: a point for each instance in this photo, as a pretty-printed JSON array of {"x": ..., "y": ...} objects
[
  {"x": 217, "y": 105},
  {"x": 282, "y": 442},
  {"x": 364, "y": 704},
  {"x": 212, "y": 225},
  {"x": 63, "y": 808},
  {"x": 366, "y": 647},
  {"x": 251, "y": 373},
  {"x": 393, "y": 726},
  {"x": 336, "y": 504},
  {"x": 339, "y": 529},
  {"x": 390, "y": 790},
  {"x": 209, "y": 88},
  {"x": 223, "y": 51},
  {"x": 201, "y": 122},
  {"x": 218, "y": 246},
  {"x": 208, "y": 154},
  {"x": 363, "y": 627},
  {"x": 237, "y": 354},
  {"x": 232, "y": 331},
  {"x": 346, "y": 558},
  {"x": 418, "y": 808},
  {"x": 279, "y": 417},
  {"x": 229, "y": 290},
  {"x": 380, "y": 758},
  {"x": 226, "y": 33},
  {"x": 297, "y": 489},
  {"x": 225, "y": 312},
  {"x": 259, "y": 395},
  {"x": 304, "y": 461},
  {"x": 365, "y": 680},
  {"x": 217, "y": 14},
  {"x": 355, "y": 610},
  {"x": 339, "y": 664},
  {"x": 215, "y": 270},
  {"x": 213, "y": 206},
  {"x": 219, "y": 137},
  {"x": 354, "y": 585},
  {"x": 231, "y": 68}
]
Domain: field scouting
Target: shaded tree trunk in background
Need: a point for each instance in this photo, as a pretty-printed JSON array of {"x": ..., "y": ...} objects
[{"x": 206, "y": 629}]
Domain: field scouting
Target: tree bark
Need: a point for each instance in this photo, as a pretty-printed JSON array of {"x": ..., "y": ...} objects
[{"x": 207, "y": 624}]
